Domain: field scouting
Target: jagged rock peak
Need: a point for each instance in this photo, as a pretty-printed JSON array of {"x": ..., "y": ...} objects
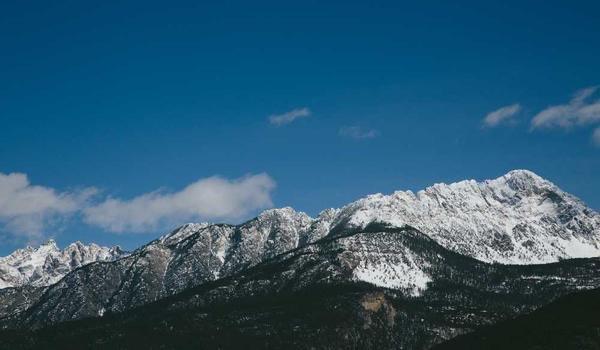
[
  {"x": 47, "y": 263},
  {"x": 182, "y": 232},
  {"x": 518, "y": 218},
  {"x": 285, "y": 213},
  {"x": 50, "y": 243}
]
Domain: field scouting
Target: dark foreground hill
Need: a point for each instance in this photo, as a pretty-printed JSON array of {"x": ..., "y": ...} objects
[{"x": 571, "y": 322}]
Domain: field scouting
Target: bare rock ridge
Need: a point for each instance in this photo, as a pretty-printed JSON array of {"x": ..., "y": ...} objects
[
  {"x": 518, "y": 218},
  {"x": 47, "y": 264}
]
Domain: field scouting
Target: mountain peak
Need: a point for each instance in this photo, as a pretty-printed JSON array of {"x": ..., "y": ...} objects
[
  {"x": 522, "y": 180},
  {"x": 284, "y": 212},
  {"x": 49, "y": 244},
  {"x": 518, "y": 218},
  {"x": 523, "y": 173},
  {"x": 47, "y": 263},
  {"x": 182, "y": 232}
]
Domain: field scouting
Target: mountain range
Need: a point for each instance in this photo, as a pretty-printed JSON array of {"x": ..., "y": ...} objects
[{"x": 406, "y": 270}]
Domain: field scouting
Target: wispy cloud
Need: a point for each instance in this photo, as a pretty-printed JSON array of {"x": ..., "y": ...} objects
[
  {"x": 289, "y": 117},
  {"x": 579, "y": 111},
  {"x": 358, "y": 133},
  {"x": 28, "y": 211},
  {"x": 206, "y": 199},
  {"x": 502, "y": 115}
]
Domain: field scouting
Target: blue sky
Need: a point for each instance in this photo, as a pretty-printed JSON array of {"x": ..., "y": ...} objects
[{"x": 308, "y": 104}]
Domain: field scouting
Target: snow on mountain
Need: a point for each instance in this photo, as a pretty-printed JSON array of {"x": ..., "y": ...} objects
[
  {"x": 182, "y": 233},
  {"x": 384, "y": 260},
  {"x": 518, "y": 218},
  {"x": 47, "y": 264},
  {"x": 319, "y": 227},
  {"x": 188, "y": 256},
  {"x": 221, "y": 249},
  {"x": 306, "y": 296}
]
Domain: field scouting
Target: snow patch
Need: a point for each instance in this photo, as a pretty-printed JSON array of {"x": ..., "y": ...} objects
[{"x": 393, "y": 276}]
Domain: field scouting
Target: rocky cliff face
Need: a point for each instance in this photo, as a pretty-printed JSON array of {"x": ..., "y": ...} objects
[
  {"x": 47, "y": 264},
  {"x": 189, "y": 256}
]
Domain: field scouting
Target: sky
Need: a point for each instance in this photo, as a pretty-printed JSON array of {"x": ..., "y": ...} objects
[{"x": 121, "y": 120}]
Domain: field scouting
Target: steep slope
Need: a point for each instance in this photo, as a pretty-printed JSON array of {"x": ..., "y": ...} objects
[
  {"x": 47, "y": 264},
  {"x": 14, "y": 300},
  {"x": 326, "y": 295},
  {"x": 518, "y": 218},
  {"x": 572, "y": 322},
  {"x": 187, "y": 257}
]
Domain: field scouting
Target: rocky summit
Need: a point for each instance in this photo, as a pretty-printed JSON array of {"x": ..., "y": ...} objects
[{"x": 46, "y": 264}]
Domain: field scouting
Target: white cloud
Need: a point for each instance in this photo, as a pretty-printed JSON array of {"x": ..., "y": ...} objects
[
  {"x": 501, "y": 115},
  {"x": 206, "y": 199},
  {"x": 288, "y": 117},
  {"x": 579, "y": 111},
  {"x": 596, "y": 137},
  {"x": 358, "y": 133},
  {"x": 27, "y": 211}
]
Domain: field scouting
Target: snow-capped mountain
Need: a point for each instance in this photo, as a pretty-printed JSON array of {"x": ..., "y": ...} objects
[
  {"x": 518, "y": 218},
  {"x": 188, "y": 256},
  {"x": 418, "y": 294},
  {"x": 46, "y": 264}
]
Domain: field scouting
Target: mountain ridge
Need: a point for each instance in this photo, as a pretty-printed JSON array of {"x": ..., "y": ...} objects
[
  {"x": 517, "y": 218},
  {"x": 311, "y": 296},
  {"x": 483, "y": 214},
  {"x": 46, "y": 264}
]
